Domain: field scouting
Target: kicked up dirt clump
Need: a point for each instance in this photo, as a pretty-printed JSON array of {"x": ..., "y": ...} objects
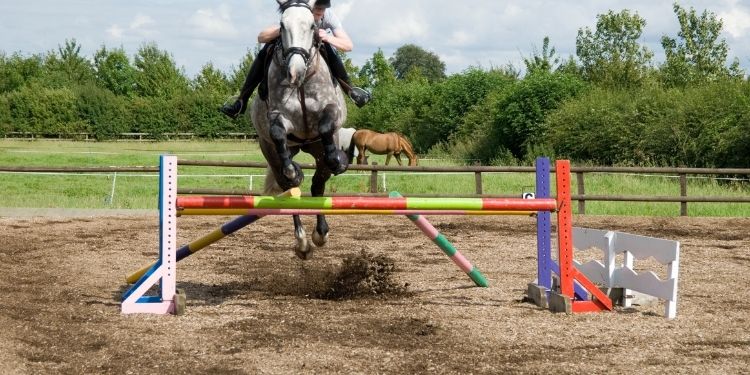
[{"x": 364, "y": 275}]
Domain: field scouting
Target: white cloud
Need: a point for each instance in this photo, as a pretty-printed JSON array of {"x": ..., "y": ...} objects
[
  {"x": 342, "y": 9},
  {"x": 736, "y": 21},
  {"x": 140, "y": 21},
  {"x": 213, "y": 23},
  {"x": 399, "y": 28},
  {"x": 115, "y": 31},
  {"x": 143, "y": 26}
]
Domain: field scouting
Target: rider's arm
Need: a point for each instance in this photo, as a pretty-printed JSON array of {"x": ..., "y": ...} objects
[
  {"x": 339, "y": 39},
  {"x": 269, "y": 34}
]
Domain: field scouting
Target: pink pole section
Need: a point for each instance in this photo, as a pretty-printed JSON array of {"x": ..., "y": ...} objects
[{"x": 445, "y": 245}]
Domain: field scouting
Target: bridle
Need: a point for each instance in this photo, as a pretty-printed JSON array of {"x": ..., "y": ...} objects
[{"x": 287, "y": 53}]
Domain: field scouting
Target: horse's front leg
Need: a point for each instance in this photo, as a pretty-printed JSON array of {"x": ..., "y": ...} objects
[
  {"x": 335, "y": 159},
  {"x": 303, "y": 247},
  {"x": 291, "y": 173}
]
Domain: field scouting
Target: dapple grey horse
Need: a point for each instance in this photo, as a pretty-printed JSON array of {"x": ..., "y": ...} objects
[{"x": 304, "y": 111}]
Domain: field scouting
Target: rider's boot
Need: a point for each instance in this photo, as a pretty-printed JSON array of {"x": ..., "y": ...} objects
[
  {"x": 254, "y": 77},
  {"x": 359, "y": 95}
]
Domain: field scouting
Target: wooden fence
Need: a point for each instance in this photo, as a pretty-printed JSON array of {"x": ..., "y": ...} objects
[
  {"x": 125, "y": 136},
  {"x": 581, "y": 197}
]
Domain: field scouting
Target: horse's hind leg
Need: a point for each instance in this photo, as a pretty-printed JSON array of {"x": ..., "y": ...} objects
[
  {"x": 318, "y": 188},
  {"x": 334, "y": 158}
]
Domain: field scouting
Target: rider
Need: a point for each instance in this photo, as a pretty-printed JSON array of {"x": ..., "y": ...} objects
[{"x": 326, "y": 20}]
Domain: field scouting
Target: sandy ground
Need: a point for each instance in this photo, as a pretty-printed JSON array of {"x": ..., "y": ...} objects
[{"x": 253, "y": 308}]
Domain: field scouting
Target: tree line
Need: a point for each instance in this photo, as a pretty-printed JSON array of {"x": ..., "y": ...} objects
[{"x": 610, "y": 104}]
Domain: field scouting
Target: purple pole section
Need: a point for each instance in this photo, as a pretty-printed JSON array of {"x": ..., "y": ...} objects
[{"x": 543, "y": 226}]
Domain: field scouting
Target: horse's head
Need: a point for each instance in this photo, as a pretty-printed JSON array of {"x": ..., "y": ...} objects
[{"x": 297, "y": 35}]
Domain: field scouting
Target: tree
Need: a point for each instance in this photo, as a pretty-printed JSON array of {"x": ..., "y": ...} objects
[
  {"x": 699, "y": 54},
  {"x": 67, "y": 67},
  {"x": 544, "y": 62},
  {"x": 410, "y": 56},
  {"x": 114, "y": 71},
  {"x": 157, "y": 74},
  {"x": 211, "y": 80},
  {"x": 237, "y": 78},
  {"x": 17, "y": 71},
  {"x": 377, "y": 71},
  {"x": 612, "y": 55}
]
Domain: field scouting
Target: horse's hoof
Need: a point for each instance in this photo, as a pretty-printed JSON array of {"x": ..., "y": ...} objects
[
  {"x": 303, "y": 249},
  {"x": 293, "y": 176},
  {"x": 319, "y": 239},
  {"x": 303, "y": 252},
  {"x": 337, "y": 162}
]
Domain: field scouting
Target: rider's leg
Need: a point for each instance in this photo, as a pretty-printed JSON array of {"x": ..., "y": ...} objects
[
  {"x": 254, "y": 77},
  {"x": 358, "y": 95}
]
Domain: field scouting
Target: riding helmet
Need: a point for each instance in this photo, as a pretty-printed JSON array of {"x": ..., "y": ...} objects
[{"x": 323, "y": 3}]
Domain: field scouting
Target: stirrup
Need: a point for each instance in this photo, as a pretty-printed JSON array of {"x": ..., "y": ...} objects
[
  {"x": 232, "y": 110},
  {"x": 360, "y": 96}
]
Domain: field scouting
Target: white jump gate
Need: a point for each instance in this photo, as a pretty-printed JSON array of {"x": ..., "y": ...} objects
[{"x": 623, "y": 276}]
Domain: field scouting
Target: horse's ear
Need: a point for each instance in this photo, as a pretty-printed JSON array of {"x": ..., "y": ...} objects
[{"x": 282, "y": 2}]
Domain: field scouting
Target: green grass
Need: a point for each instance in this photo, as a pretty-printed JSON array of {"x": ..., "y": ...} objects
[{"x": 139, "y": 190}]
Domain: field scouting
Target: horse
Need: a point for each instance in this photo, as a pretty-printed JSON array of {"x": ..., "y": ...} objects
[
  {"x": 346, "y": 144},
  {"x": 384, "y": 144},
  {"x": 304, "y": 111}
]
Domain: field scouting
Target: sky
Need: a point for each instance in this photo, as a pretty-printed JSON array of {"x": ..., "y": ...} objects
[{"x": 464, "y": 33}]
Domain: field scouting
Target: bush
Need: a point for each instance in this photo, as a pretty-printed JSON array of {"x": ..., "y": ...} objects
[
  {"x": 40, "y": 110},
  {"x": 197, "y": 112},
  {"x": 6, "y": 122},
  {"x": 700, "y": 126},
  {"x": 105, "y": 113},
  {"x": 451, "y": 100},
  {"x": 153, "y": 115},
  {"x": 512, "y": 121}
]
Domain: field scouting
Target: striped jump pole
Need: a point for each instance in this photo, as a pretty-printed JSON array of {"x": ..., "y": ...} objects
[
  {"x": 210, "y": 238},
  {"x": 365, "y": 203},
  {"x": 314, "y": 211},
  {"x": 432, "y": 233}
]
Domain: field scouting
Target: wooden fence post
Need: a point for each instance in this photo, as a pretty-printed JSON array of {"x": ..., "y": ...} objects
[
  {"x": 581, "y": 192},
  {"x": 683, "y": 193},
  {"x": 478, "y": 182},
  {"x": 374, "y": 179}
]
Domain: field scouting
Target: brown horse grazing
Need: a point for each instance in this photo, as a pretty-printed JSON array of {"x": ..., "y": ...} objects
[{"x": 383, "y": 144}]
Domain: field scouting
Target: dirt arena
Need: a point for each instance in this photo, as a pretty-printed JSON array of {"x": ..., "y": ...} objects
[{"x": 253, "y": 308}]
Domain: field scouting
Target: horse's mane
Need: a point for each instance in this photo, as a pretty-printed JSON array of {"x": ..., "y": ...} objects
[{"x": 408, "y": 142}]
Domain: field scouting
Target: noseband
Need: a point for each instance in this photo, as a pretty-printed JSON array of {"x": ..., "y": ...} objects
[{"x": 287, "y": 53}]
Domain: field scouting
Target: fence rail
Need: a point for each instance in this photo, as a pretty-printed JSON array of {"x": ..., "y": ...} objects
[
  {"x": 581, "y": 197},
  {"x": 124, "y": 136}
]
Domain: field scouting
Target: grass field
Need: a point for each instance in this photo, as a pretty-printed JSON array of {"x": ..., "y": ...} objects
[{"x": 139, "y": 190}]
